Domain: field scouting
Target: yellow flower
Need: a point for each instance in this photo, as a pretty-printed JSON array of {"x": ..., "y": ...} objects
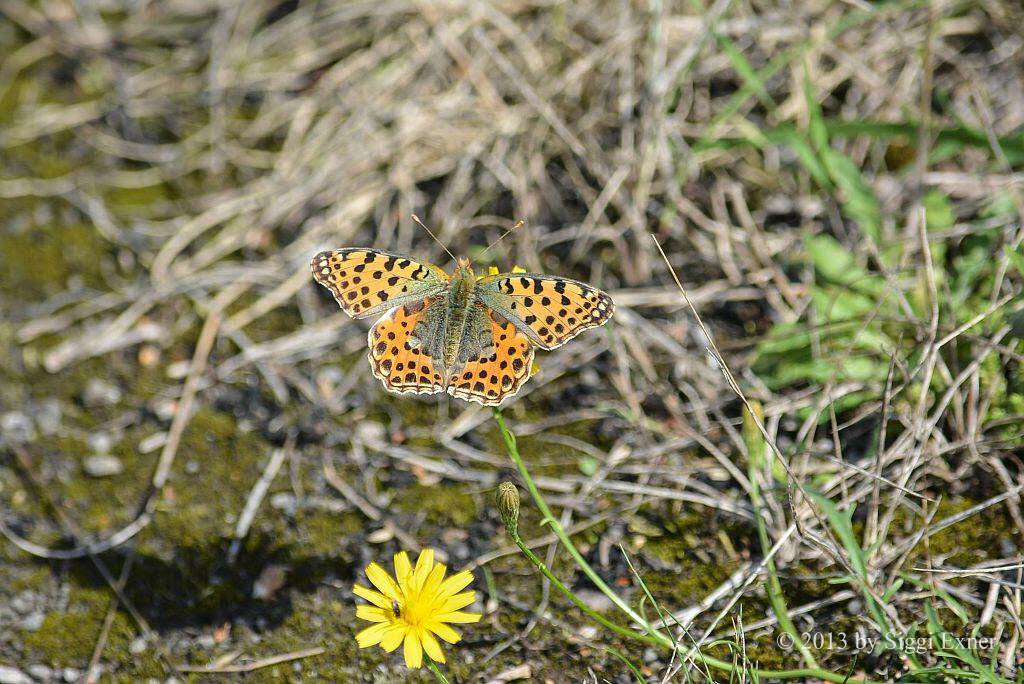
[
  {"x": 415, "y": 608},
  {"x": 493, "y": 270}
]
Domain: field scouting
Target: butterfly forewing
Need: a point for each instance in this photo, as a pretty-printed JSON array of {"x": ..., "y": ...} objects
[
  {"x": 396, "y": 357},
  {"x": 489, "y": 379},
  {"x": 368, "y": 281},
  {"x": 549, "y": 309}
]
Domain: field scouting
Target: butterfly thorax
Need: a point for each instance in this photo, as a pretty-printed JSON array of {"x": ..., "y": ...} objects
[{"x": 455, "y": 328}]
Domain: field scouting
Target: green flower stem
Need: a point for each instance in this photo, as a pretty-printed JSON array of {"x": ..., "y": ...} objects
[
  {"x": 755, "y": 444},
  {"x": 657, "y": 640},
  {"x": 653, "y": 637},
  {"x": 432, "y": 666},
  {"x": 556, "y": 527}
]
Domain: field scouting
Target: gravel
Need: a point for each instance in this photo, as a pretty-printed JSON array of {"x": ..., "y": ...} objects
[
  {"x": 103, "y": 466},
  {"x": 10, "y": 675}
]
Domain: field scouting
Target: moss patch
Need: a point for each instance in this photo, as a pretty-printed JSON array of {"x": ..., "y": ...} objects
[{"x": 67, "y": 639}]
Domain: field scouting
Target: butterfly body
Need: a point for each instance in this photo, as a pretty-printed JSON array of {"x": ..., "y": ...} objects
[
  {"x": 457, "y": 324},
  {"x": 471, "y": 336}
]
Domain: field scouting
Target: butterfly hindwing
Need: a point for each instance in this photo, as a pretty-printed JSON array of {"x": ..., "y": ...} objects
[
  {"x": 489, "y": 379},
  {"x": 368, "y": 281},
  {"x": 550, "y": 310},
  {"x": 396, "y": 358}
]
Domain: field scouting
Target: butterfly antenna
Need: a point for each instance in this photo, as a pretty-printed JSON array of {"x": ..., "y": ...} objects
[
  {"x": 417, "y": 220},
  {"x": 503, "y": 236}
]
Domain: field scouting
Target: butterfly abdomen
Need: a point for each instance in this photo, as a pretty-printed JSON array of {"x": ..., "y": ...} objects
[{"x": 456, "y": 312}]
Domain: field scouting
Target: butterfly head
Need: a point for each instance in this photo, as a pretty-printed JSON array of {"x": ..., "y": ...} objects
[{"x": 464, "y": 268}]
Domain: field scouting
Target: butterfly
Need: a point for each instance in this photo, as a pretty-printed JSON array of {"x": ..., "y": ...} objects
[{"x": 471, "y": 336}]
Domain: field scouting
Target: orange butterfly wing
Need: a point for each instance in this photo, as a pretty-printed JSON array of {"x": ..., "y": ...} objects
[
  {"x": 395, "y": 360},
  {"x": 489, "y": 379},
  {"x": 369, "y": 281},
  {"x": 548, "y": 309}
]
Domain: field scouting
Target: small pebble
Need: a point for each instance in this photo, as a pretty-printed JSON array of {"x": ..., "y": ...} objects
[
  {"x": 71, "y": 674},
  {"x": 149, "y": 356},
  {"x": 138, "y": 645},
  {"x": 101, "y": 393},
  {"x": 177, "y": 370},
  {"x": 10, "y": 675},
  {"x": 48, "y": 417},
  {"x": 370, "y": 431},
  {"x": 516, "y": 673},
  {"x": 23, "y": 602},
  {"x": 594, "y": 599},
  {"x": 164, "y": 408},
  {"x": 100, "y": 441},
  {"x": 16, "y": 428},
  {"x": 33, "y": 621},
  {"x": 103, "y": 466},
  {"x": 270, "y": 580},
  {"x": 285, "y": 502},
  {"x": 153, "y": 442},
  {"x": 40, "y": 671},
  {"x": 192, "y": 467}
]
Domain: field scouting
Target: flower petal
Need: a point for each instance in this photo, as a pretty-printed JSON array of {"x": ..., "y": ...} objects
[
  {"x": 431, "y": 646},
  {"x": 458, "y": 601},
  {"x": 456, "y": 583},
  {"x": 457, "y": 617},
  {"x": 382, "y": 580},
  {"x": 376, "y": 598},
  {"x": 424, "y": 564},
  {"x": 392, "y": 638},
  {"x": 371, "y": 613},
  {"x": 444, "y": 631},
  {"x": 403, "y": 569},
  {"x": 372, "y": 635},
  {"x": 433, "y": 583},
  {"x": 413, "y": 650}
]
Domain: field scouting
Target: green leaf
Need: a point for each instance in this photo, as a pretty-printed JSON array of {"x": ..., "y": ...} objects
[
  {"x": 955, "y": 606},
  {"x": 633, "y": 668},
  {"x": 946, "y": 641},
  {"x": 841, "y": 524},
  {"x": 1002, "y": 204},
  {"x": 938, "y": 210},
  {"x": 745, "y": 71},
  {"x": 842, "y": 527},
  {"x": 836, "y": 264},
  {"x": 836, "y": 305},
  {"x": 1016, "y": 257},
  {"x": 809, "y": 158},
  {"x": 859, "y": 200},
  {"x": 816, "y": 124},
  {"x": 891, "y": 591},
  {"x": 752, "y": 437}
]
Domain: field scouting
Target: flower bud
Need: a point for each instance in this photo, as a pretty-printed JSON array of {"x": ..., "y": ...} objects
[{"x": 508, "y": 507}]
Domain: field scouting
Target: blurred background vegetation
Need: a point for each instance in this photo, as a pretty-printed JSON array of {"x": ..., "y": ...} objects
[{"x": 837, "y": 183}]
